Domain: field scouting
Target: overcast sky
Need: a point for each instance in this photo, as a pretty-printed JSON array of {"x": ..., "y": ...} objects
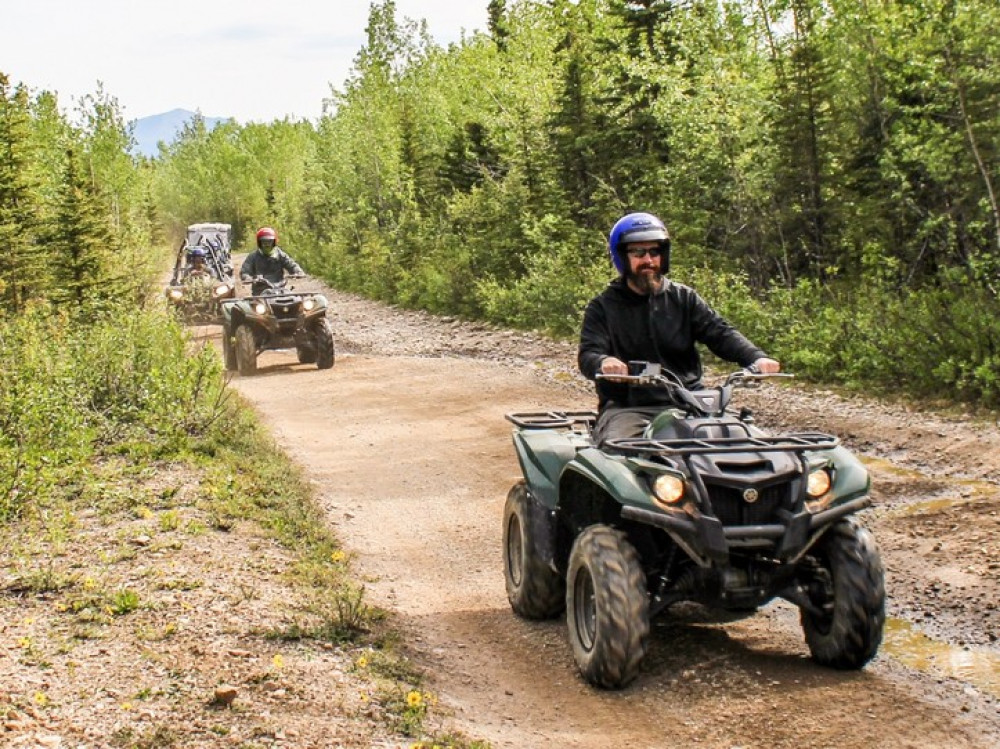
[{"x": 255, "y": 60}]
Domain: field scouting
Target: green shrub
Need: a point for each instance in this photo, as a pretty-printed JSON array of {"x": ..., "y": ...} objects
[{"x": 72, "y": 389}]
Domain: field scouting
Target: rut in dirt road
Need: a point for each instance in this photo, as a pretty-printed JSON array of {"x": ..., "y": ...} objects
[{"x": 411, "y": 458}]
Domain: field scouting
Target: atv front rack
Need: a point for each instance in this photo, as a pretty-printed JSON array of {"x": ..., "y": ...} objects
[
  {"x": 553, "y": 419},
  {"x": 741, "y": 444}
]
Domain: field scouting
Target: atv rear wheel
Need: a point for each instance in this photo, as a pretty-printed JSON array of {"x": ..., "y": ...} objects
[
  {"x": 324, "y": 344},
  {"x": 850, "y": 591},
  {"x": 607, "y": 607},
  {"x": 534, "y": 589},
  {"x": 246, "y": 350},
  {"x": 228, "y": 350}
]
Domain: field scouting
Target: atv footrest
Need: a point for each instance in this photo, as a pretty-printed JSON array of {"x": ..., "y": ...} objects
[
  {"x": 553, "y": 419},
  {"x": 739, "y": 444}
]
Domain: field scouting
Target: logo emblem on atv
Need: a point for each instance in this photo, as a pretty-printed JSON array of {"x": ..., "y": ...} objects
[{"x": 751, "y": 495}]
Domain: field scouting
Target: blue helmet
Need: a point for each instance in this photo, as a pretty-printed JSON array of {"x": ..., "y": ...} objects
[
  {"x": 197, "y": 252},
  {"x": 638, "y": 227}
]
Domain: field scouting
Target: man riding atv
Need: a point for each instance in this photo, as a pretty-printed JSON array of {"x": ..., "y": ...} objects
[
  {"x": 668, "y": 496},
  {"x": 643, "y": 316},
  {"x": 269, "y": 261}
]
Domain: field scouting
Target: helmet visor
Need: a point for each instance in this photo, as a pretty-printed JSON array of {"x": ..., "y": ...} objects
[{"x": 650, "y": 234}]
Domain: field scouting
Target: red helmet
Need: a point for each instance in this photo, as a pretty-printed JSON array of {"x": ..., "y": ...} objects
[{"x": 265, "y": 234}]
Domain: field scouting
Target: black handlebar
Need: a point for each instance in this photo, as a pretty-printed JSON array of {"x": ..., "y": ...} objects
[{"x": 647, "y": 374}]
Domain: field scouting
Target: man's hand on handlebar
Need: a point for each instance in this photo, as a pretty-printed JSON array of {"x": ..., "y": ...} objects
[
  {"x": 612, "y": 366},
  {"x": 765, "y": 365}
]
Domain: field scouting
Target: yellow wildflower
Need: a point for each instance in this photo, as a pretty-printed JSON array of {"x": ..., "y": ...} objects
[
  {"x": 126, "y": 706},
  {"x": 41, "y": 699},
  {"x": 89, "y": 583},
  {"x": 338, "y": 557},
  {"x": 24, "y": 642},
  {"x": 363, "y": 661},
  {"x": 277, "y": 661},
  {"x": 414, "y": 699}
]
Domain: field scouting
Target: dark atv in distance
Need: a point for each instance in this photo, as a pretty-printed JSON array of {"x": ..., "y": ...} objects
[
  {"x": 276, "y": 317},
  {"x": 197, "y": 292},
  {"x": 703, "y": 508}
]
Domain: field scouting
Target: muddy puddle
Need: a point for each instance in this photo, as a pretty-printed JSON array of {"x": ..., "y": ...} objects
[{"x": 978, "y": 667}]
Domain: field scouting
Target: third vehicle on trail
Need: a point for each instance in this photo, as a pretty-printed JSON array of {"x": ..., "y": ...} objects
[
  {"x": 202, "y": 277},
  {"x": 276, "y": 317},
  {"x": 704, "y": 508}
]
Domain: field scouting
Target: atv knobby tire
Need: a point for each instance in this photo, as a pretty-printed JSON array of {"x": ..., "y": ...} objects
[
  {"x": 246, "y": 350},
  {"x": 306, "y": 355},
  {"x": 228, "y": 350},
  {"x": 607, "y": 607},
  {"x": 534, "y": 589},
  {"x": 848, "y": 635},
  {"x": 324, "y": 344}
]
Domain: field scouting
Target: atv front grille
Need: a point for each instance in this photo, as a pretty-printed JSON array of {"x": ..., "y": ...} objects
[
  {"x": 731, "y": 507},
  {"x": 285, "y": 309}
]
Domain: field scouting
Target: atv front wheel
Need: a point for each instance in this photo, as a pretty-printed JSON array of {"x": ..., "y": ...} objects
[
  {"x": 306, "y": 355},
  {"x": 246, "y": 350},
  {"x": 228, "y": 350},
  {"x": 845, "y": 628},
  {"x": 324, "y": 344},
  {"x": 534, "y": 589},
  {"x": 607, "y": 607}
]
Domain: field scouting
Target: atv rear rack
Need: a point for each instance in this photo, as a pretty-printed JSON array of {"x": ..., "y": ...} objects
[
  {"x": 552, "y": 419},
  {"x": 695, "y": 445}
]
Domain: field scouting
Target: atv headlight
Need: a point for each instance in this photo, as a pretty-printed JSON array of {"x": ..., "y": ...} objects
[
  {"x": 668, "y": 489},
  {"x": 818, "y": 483},
  {"x": 175, "y": 294},
  {"x": 260, "y": 308},
  {"x": 222, "y": 289},
  {"x": 308, "y": 304}
]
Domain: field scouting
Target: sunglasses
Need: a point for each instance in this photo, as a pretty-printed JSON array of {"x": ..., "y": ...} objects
[{"x": 654, "y": 252}]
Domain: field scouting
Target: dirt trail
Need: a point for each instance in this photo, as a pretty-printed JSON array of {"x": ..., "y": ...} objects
[{"x": 411, "y": 458}]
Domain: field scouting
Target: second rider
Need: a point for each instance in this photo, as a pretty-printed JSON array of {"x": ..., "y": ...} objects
[{"x": 269, "y": 261}]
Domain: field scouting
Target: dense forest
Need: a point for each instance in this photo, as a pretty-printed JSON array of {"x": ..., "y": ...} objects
[
  {"x": 828, "y": 171},
  {"x": 827, "y": 168}
]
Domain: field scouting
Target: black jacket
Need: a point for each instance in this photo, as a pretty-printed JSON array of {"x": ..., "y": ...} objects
[
  {"x": 272, "y": 267},
  {"x": 662, "y": 327}
]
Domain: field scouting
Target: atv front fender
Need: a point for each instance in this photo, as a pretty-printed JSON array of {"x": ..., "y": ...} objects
[
  {"x": 543, "y": 454},
  {"x": 614, "y": 475},
  {"x": 851, "y": 479}
]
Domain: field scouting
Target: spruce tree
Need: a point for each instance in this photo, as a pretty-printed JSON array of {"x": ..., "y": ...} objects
[
  {"x": 22, "y": 274},
  {"x": 78, "y": 241}
]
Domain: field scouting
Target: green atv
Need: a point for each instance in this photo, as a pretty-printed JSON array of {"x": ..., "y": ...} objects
[
  {"x": 703, "y": 508},
  {"x": 275, "y": 317}
]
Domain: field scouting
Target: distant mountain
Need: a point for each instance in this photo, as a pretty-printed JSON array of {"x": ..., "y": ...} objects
[{"x": 164, "y": 127}]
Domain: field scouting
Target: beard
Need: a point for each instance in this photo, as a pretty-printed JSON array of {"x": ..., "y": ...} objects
[{"x": 647, "y": 280}]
